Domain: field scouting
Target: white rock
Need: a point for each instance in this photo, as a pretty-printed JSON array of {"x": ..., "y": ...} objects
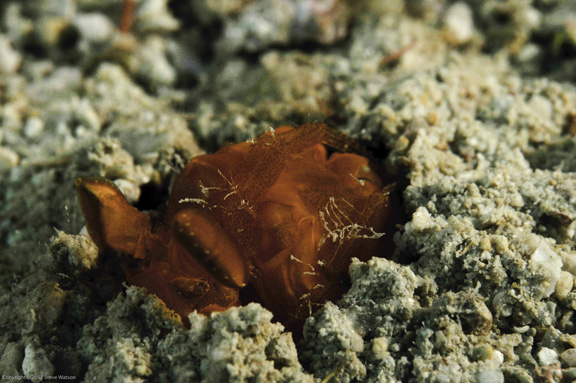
[
  {"x": 421, "y": 219},
  {"x": 564, "y": 285},
  {"x": 33, "y": 127},
  {"x": 546, "y": 259},
  {"x": 36, "y": 363},
  {"x": 8, "y": 158},
  {"x": 458, "y": 24},
  {"x": 85, "y": 113},
  {"x": 490, "y": 376},
  {"x": 571, "y": 231},
  {"x": 547, "y": 356},
  {"x": 531, "y": 17},
  {"x": 94, "y": 27},
  {"x": 128, "y": 189},
  {"x": 153, "y": 15},
  {"x": 380, "y": 347},
  {"x": 154, "y": 65},
  {"x": 9, "y": 59},
  {"x": 529, "y": 52},
  {"x": 498, "y": 357}
]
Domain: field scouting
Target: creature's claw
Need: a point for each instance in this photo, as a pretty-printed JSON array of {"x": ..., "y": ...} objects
[
  {"x": 211, "y": 247},
  {"x": 111, "y": 220}
]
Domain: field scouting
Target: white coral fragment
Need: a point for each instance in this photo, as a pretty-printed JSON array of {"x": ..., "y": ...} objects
[{"x": 546, "y": 259}]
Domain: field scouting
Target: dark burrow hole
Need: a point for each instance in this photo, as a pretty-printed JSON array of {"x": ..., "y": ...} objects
[
  {"x": 152, "y": 196},
  {"x": 68, "y": 38}
]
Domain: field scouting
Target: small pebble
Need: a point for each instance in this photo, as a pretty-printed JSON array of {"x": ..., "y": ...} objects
[
  {"x": 86, "y": 114},
  {"x": 564, "y": 285},
  {"x": 8, "y": 158},
  {"x": 530, "y": 17},
  {"x": 421, "y": 219},
  {"x": 569, "y": 374},
  {"x": 458, "y": 24},
  {"x": 82, "y": 253},
  {"x": 9, "y": 59},
  {"x": 94, "y": 27},
  {"x": 154, "y": 66},
  {"x": 130, "y": 190},
  {"x": 500, "y": 243},
  {"x": 569, "y": 357},
  {"x": 154, "y": 16},
  {"x": 498, "y": 357},
  {"x": 547, "y": 356},
  {"x": 546, "y": 259},
  {"x": 380, "y": 347},
  {"x": 490, "y": 376},
  {"x": 34, "y": 127},
  {"x": 402, "y": 144},
  {"x": 36, "y": 364}
]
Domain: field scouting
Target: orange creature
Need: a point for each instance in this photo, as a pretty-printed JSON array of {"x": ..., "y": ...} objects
[{"x": 279, "y": 213}]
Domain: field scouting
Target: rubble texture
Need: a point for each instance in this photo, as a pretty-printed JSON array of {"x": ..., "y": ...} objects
[{"x": 470, "y": 106}]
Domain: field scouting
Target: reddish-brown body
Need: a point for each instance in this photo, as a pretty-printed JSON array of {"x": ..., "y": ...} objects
[{"x": 279, "y": 213}]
